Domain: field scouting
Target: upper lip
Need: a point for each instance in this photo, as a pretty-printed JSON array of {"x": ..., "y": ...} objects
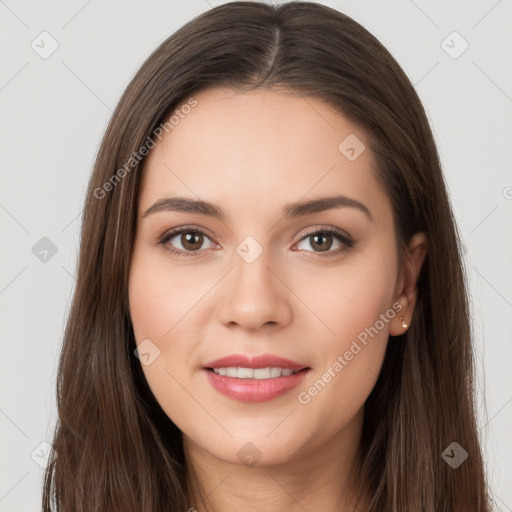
[{"x": 257, "y": 361}]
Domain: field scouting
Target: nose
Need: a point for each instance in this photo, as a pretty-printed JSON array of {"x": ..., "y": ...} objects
[{"x": 254, "y": 295}]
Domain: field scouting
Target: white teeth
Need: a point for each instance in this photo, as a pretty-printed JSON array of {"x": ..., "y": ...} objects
[
  {"x": 232, "y": 372},
  {"x": 275, "y": 372},
  {"x": 254, "y": 373},
  {"x": 244, "y": 373},
  {"x": 260, "y": 373}
]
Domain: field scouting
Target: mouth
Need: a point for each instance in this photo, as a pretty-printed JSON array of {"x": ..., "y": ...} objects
[{"x": 254, "y": 379}]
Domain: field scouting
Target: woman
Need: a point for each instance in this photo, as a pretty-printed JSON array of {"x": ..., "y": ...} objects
[{"x": 271, "y": 311}]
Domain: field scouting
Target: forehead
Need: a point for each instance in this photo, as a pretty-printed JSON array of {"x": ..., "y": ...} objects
[{"x": 243, "y": 149}]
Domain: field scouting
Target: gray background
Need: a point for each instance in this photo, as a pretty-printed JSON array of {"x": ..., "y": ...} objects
[{"x": 53, "y": 112}]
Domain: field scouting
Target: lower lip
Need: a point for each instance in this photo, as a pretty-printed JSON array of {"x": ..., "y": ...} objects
[{"x": 254, "y": 390}]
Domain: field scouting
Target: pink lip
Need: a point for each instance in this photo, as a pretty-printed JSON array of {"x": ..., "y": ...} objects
[
  {"x": 254, "y": 390},
  {"x": 261, "y": 361}
]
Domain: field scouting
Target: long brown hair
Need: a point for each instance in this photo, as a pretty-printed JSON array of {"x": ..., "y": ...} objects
[{"x": 116, "y": 448}]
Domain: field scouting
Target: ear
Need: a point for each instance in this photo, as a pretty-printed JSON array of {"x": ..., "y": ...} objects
[{"x": 406, "y": 289}]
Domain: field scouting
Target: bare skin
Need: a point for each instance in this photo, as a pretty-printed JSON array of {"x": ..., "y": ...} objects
[{"x": 307, "y": 300}]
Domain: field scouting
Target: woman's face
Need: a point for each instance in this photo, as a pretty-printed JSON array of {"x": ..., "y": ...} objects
[{"x": 260, "y": 281}]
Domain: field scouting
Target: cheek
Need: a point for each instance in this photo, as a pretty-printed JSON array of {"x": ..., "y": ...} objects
[
  {"x": 161, "y": 296},
  {"x": 349, "y": 297},
  {"x": 356, "y": 304},
  {"x": 165, "y": 306},
  {"x": 149, "y": 294}
]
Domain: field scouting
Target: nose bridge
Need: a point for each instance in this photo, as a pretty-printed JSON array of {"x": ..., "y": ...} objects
[{"x": 255, "y": 296}]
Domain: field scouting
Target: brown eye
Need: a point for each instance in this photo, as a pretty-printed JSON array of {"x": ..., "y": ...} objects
[
  {"x": 323, "y": 240},
  {"x": 185, "y": 242}
]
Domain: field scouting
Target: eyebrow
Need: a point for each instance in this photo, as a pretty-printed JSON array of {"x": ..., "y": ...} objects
[{"x": 183, "y": 204}]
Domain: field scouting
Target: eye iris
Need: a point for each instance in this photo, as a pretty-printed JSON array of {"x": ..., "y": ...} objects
[
  {"x": 322, "y": 236},
  {"x": 188, "y": 240}
]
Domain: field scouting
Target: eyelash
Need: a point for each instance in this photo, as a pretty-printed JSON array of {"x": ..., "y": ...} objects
[{"x": 338, "y": 233}]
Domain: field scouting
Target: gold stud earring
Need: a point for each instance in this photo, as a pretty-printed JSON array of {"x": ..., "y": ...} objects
[{"x": 404, "y": 325}]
